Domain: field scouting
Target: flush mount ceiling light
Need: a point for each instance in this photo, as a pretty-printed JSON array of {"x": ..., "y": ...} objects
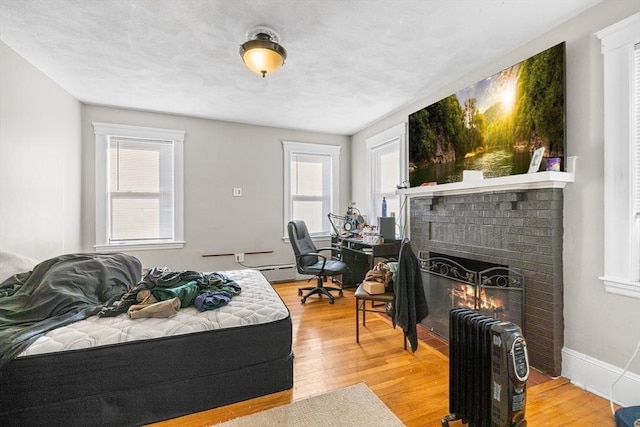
[{"x": 262, "y": 52}]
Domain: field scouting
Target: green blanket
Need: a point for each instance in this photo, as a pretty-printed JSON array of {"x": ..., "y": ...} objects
[{"x": 57, "y": 292}]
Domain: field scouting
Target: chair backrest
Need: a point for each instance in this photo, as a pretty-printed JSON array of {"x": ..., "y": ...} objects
[{"x": 301, "y": 243}]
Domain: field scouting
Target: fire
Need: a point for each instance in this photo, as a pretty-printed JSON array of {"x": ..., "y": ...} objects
[
  {"x": 463, "y": 295},
  {"x": 488, "y": 303}
]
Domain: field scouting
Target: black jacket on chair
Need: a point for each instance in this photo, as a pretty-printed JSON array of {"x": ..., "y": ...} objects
[{"x": 410, "y": 306}]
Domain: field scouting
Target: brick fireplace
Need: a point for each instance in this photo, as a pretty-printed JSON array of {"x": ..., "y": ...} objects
[{"x": 518, "y": 228}]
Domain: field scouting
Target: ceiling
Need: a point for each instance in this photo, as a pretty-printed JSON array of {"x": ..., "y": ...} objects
[{"x": 350, "y": 62}]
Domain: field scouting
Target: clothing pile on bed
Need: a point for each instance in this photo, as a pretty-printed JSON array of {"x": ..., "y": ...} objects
[{"x": 162, "y": 292}]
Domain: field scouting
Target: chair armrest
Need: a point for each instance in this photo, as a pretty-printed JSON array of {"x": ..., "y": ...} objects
[
  {"x": 336, "y": 252},
  {"x": 332, "y": 249},
  {"x": 310, "y": 254},
  {"x": 324, "y": 258}
]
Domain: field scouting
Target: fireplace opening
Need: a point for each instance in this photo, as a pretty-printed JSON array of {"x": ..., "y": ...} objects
[{"x": 452, "y": 282}]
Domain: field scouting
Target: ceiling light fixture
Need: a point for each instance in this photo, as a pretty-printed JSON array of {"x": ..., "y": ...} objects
[{"x": 262, "y": 52}]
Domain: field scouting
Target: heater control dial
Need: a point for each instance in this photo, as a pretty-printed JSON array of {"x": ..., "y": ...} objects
[{"x": 520, "y": 359}]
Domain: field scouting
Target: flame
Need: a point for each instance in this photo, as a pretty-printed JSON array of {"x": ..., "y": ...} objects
[{"x": 463, "y": 295}]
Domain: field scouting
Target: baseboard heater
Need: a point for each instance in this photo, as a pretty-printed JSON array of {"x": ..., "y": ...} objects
[
  {"x": 278, "y": 273},
  {"x": 488, "y": 371}
]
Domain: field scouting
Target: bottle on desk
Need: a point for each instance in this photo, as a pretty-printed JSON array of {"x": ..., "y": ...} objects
[{"x": 384, "y": 206}]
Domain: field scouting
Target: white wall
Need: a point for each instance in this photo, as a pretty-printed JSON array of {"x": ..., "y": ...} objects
[
  {"x": 39, "y": 162},
  {"x": 218, "y": 156},
  {"x": 601, "y": 329}
]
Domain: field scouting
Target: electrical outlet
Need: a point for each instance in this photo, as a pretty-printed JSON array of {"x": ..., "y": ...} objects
[
  {"x": 239, "y": 257},
  {"x": 237, "y": 191}
]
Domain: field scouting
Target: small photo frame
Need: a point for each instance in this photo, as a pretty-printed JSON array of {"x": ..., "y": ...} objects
[{"x": 536, "y": 159}]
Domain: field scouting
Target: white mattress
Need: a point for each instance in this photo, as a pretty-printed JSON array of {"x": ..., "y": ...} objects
[{"x": 258, "y": 303}]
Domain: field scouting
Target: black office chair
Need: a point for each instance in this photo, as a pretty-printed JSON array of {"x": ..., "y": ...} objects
[{"x": 310, "y": 261}]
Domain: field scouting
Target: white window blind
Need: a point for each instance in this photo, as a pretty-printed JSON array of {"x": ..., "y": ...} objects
[
  {"x": 140, "y": 189},
  {"x": 311, "y": 190},
  {"x": 386, "y": 176}
]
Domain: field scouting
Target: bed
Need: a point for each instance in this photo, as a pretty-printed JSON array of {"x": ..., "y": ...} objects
[{"x": 122, "y": 371}]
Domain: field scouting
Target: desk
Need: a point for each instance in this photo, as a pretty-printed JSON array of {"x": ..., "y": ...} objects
[{"x": 360, "y": 257}]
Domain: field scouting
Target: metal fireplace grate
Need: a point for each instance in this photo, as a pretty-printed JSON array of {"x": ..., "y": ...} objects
[{"x": 493, "y": 290}]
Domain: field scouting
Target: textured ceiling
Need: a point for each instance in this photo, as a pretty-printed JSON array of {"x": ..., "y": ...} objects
[{"x": 349, "y": 62}]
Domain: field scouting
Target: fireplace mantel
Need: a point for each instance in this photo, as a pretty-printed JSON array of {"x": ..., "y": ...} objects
[{"x": 521, "y": 182}]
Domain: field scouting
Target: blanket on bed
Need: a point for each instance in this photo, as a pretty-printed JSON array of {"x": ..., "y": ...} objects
[{"x": 57, "y": 292}]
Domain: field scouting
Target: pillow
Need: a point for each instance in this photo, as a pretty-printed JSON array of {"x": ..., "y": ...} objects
[{"x": 11, "y": 264}]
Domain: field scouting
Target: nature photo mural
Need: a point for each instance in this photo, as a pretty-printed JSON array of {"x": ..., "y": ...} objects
[{"x": 494, "y": 125}]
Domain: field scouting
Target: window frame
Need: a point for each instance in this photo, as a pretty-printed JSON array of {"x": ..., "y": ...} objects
[
  {"x": 621, "y": 224},
  {"x": 291, "y": 148},
  {"x": 103, "y": 133},
  {"x": 396, "y": 134}
]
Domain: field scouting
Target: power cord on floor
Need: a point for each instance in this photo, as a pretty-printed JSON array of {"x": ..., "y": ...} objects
[{"x": 635, "y": 353}]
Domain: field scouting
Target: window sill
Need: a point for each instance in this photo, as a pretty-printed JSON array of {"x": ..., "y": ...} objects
[
  {"x": 314, "y": 238},
  {"x": 139, "y": 246},
  {"x": 621, "y": 287}
]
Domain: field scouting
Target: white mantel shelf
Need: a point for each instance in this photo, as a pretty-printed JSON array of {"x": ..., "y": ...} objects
[{"x": 521, "y": 182}]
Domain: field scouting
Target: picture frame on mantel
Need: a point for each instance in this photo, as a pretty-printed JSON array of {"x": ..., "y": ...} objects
[{"x": 536, "y": 159}]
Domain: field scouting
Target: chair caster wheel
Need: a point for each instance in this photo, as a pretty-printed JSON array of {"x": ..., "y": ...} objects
[
  {"x": 331, "y": 301},
  {"x": 340, "y": 293},
  {"x": 299, "y": 293},
  {"x": 303, "y": 300}
]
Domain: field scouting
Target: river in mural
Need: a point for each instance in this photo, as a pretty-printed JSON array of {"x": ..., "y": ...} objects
[{"x": 500, "y": 161}]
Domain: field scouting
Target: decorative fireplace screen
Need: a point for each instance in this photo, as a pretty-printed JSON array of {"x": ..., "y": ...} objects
[{"x": 451, "y": 282}]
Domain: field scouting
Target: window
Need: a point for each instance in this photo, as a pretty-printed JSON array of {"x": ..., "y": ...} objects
[
  {"x": 621, "y": 54},
  {"x": 138, "y": 187},
  {"x": 386, "y": 161},
  {"x": 310, "y": 185}
]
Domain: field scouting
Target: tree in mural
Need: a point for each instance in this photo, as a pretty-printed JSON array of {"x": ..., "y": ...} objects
[
  {"x": 540, "y": 102},
  {"x": 435, "y": 131},
  {"x": 474, "y": 129}
]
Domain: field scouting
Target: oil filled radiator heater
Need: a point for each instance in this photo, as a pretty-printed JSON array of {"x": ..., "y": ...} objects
[{"x": 488, "y": 371}]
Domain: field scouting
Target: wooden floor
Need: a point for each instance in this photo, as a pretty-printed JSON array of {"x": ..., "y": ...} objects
[{"x": 413, "y": 385}]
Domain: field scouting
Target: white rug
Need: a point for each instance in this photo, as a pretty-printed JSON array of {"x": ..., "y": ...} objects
[{"x": 353, "y": 406}]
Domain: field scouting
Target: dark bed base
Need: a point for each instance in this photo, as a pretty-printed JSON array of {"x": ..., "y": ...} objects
[{"x": 147, "y": 381}]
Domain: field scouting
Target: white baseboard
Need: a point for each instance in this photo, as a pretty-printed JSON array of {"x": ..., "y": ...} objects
[{"x": 596, "y": 377}]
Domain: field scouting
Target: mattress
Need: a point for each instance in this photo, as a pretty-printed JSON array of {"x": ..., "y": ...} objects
[
  {"x": 118, "y": 371},
  {"x": 257, "y": 303}
]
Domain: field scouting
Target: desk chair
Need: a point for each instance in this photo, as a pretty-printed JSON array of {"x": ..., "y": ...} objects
[
  {"x": 362, "y": 297},
  {"x": 310, "y": 261}
]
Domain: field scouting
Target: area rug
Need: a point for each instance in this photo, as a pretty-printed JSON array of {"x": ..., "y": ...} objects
[{"x": 353, "y": 406}]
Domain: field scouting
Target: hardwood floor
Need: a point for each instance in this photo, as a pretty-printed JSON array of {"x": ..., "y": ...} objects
[{"x": 413, "y": 385}]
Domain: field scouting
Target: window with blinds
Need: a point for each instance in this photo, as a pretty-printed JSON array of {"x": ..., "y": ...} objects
[
  {"x": 140, "y": 190},
  {"x": 621, "y": 59},
  {"x": 311, "y": 185},
  {"x": 139, "y": 187},
  {"x": 386, "y": 169}
]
